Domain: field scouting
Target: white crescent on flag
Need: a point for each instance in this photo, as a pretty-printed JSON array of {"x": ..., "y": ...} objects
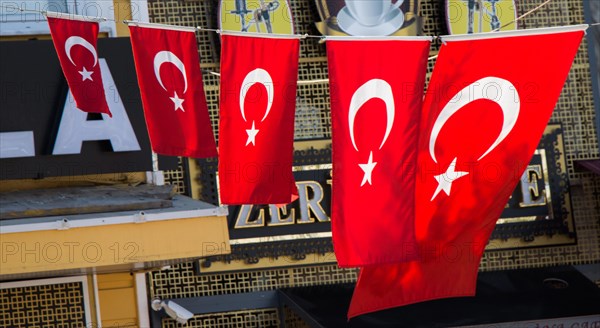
[
  {"x": 263, "y": 77},
  {"x": 375, "y": 88},
  {"x": 77, "y": 40},
  {"x": 506, "y": 97},
  {"x": 168, "y": 57},
  {"x": 257, "y": 75}
]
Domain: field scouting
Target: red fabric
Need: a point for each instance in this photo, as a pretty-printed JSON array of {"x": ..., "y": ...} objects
[
  {"x": 176, "y": 112},
  {"x": 256, "y": 134},
  {"x": 373, "y": 204},
  {"x": 80, "y": 64},
  {"x": 452, "y": 230}
]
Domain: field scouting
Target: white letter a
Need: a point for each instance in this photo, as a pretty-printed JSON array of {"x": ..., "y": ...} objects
[{"x": 74, "y": 127}]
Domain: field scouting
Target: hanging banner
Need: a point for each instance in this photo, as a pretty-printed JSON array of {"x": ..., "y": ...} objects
[
  {"x": 256, "y": 118},
  {"x": 373, "y": 115},
  {"x": 256, "y": 16},
  {"x": 177, "y": 116},
  {"x": 474, "y": 145},
  {"x": 75, "y": 42}
]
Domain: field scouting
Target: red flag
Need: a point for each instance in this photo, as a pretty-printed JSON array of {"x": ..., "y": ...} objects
[
  {"x": 486, "y": 107},
  {"x": 375, "y": 101},
  {"x": 168, "y": 71},
  {"x": 75, "y": 43},
  {"x": 258, "y": 99}
]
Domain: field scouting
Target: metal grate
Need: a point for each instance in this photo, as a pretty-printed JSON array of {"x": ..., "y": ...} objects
[
  {"x": 247, "y": 319},
  {"x": 48, "y": 305},
  {"x": 189, "y": 13},
  {"x": 178, "y": 177},
  {"x": 434, "y": 22},
  {"x": 292, "y": 320},
  {"x": 182, "y": 281}
]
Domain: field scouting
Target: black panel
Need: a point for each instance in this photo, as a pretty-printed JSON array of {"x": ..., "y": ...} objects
[
  {"x": 503, "y": 296},
  {"x": 33, "y": 92}
]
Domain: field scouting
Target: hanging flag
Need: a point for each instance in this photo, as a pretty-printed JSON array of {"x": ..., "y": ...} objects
[
  {"x": 375, "y": 103},
  {"x": 488, "y": 102},
  {"x": 168, "y": 71},
  {"x": 256, "y": 127},
  {"x": 75, "y": 43}
]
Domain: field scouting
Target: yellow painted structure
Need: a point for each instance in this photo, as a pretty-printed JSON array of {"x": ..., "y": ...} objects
[
  {"x": 113, "y": 245},
  {"x": 117, "y": 298},
  {"x": 122, "y": 11}
]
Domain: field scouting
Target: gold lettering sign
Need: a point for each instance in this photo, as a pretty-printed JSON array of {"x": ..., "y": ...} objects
[
  {"x": 539, "y": 206},
  {"x": 537, "y": 214},
  {"x": 310, "y": 195},
  {"x": 532, "y": 191},
  {"x": 532, "y": 195}
]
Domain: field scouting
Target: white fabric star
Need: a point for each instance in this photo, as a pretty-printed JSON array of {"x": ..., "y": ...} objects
[
  {"x": 252, "y": 135},
  {"x": 445, "y": 179},
  {"x": 178, "y": 102},
  {"x": 368, "y": 169},
  {"x": 86, "y": 75}
]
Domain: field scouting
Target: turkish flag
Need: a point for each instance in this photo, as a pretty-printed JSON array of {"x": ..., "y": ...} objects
[
  {"x": 375, "y": 101},
  {"x": 256, "y": 124},
  {"x": 75, "y": 43},
  {"x": 486, "y": 107},
  {"x": 168, "y": 71}
]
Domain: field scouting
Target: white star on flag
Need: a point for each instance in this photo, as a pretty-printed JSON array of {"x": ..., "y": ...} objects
[
  {"x": 445, "y": 179},
  {"x": 252, "y": 135},
  {"x": 178, "y": 102},
  {"x": 86, "y": 75},
  {"x": 368, "y": 169}
]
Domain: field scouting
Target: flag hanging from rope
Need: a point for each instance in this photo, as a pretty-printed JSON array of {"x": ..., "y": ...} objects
[
  {"x": 168, "y": 70},
  {"x": 75, "y": 43},
  {"x": 375, "y": 102},
  {"x": 486, "y": 107},
  {"x": 256, "y": 124}
]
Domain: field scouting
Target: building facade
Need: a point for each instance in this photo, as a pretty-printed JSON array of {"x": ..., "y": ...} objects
[{"x": 227, "y": 266}]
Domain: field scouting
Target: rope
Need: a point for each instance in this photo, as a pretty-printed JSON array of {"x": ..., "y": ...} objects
[{"x": 203, "y": 29}]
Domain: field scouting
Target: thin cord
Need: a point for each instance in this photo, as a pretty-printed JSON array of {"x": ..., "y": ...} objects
[
  {"x": 304, "y": 82},
  {"x": 302, "y": 36},
  {"x": 523, "y": 16},
  {"x": 514, "y": 21}
]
